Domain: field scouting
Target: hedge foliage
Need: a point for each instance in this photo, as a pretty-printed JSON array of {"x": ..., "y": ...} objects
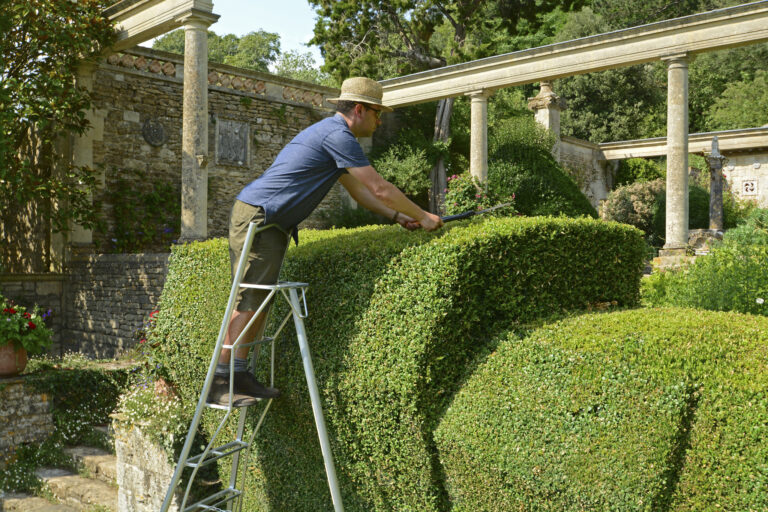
[
  {"x": 520, "y": 162},
  {"x": 396, "y": 321},
  {"x": 650, "y": 409}
]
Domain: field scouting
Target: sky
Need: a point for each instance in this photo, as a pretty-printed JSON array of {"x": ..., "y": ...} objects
[{"x": 293, "y": 20}]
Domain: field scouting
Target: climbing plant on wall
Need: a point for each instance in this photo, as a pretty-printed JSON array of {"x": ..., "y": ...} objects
[{"x": 43, "y": 44}]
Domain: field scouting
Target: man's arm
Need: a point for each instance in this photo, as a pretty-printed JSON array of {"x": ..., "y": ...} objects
[{"x": 367, "y": 187}]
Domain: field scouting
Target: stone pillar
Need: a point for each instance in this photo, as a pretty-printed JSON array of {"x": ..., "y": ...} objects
[
  {"x": 677, "y": 156},
  {"x": 547, "y": 107},
  {"x": 478, "y": 146},
  {"x": 194, "y": 145},
  {"x": 715, "y": 161}
]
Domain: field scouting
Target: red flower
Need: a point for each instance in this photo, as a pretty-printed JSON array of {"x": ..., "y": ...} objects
[
  {"x": 10, "y": 311},
  {"x": 153, "y": 314},
  {"x": 26, "y": 315},
  {"x": 31, "y": 325}
]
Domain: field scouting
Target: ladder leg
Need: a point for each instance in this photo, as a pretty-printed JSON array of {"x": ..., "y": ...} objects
[{"x": 314, "y": 395}]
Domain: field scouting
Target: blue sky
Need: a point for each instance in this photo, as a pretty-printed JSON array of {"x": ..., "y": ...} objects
[{"x": 292, "y": 19}]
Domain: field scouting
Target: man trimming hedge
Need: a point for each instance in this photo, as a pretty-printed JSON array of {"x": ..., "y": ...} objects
[{"x": 288, "y": 191}]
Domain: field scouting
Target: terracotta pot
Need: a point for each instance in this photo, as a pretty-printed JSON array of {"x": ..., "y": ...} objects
[{"x": 12, "y": 360}]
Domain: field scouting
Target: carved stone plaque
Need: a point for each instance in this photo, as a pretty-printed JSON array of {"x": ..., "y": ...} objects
[
  {"x": 154, "y": 132},
  {"x": 232, "y": 142},
  {"x": 749, "y": 188}
]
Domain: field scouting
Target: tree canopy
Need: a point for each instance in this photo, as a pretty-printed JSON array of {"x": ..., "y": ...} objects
[
  {"x": 255, "y": 50},
  {"x": 44, "y": 43}
]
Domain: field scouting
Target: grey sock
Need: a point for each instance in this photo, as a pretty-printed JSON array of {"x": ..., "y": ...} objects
[
  {"x": 222, "y": 369},
  {"x": 241, "y": 365}
]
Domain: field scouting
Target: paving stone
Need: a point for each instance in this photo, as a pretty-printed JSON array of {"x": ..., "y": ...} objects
[
  {"x": 76, "y": 491},
  {"x": 100, "y": 464},
  {"x": 26, "y": 503}
]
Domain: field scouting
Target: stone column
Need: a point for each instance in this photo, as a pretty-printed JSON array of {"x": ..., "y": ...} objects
[
  {"x": 547, "y": 107},
  {"x": 478, "y": 146},
  {"x": 82, "y": 148},
  {"x": 194, "y": 145},
  {"x": 677, "y": 156},
  {"x": 715, "y": 161}
]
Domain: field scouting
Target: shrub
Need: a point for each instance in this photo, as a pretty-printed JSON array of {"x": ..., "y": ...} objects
[
  {"x": 395, "y": 321},
  {"x": 520, "y": 162},
  {"x": 698, "y": 213},
  {"x": 633, "y": 204},
  {"x": 732, "y": 277},
  {"x": 466, "y": 193},
  {"x": 635, "y": 410},
  {"x": 637, "y": 170}
]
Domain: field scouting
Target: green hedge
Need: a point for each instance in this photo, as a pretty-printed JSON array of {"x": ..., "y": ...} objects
[
  {"x": 637, "y": 410},
  {"x": 396, "y": 320}
]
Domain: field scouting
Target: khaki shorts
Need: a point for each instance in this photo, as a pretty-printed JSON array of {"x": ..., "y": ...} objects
[{"x": 264, "y": 259}]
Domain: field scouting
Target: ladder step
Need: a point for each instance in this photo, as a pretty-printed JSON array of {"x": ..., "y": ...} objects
[
  {"x": 213, "y": 501},
  {"x": 216, "y": 453},
  {"x": 257, "y": 342}
]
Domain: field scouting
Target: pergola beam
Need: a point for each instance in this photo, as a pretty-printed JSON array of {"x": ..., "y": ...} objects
[
  {"x": 137, "y": 21},
  {"x": 731, "y": 140},
  {"x": 713, "y": 30}
]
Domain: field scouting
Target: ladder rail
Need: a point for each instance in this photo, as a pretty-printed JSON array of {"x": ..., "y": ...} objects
[
  {"x": 239, "y": 449},
  {"x": 252, "y": 230}
]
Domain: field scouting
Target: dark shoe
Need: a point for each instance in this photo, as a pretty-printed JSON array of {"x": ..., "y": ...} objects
[
  {"x": 246, "y": 384},
  {"x": 219, "y": 393}
]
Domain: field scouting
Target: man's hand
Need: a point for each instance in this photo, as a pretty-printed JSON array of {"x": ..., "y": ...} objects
[
  {"x": 407, "y": 222},
  {"x": 430, "y": 222}
]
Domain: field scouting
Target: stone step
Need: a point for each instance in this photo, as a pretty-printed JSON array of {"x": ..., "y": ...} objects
[
  {"x": 27, "y": 503},
  {"x": 98, "y": 464},
  {"x": 78, "y": 492}
]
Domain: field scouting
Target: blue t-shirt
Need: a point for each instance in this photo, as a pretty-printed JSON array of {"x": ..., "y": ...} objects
[{"x": 304, "y": 171}]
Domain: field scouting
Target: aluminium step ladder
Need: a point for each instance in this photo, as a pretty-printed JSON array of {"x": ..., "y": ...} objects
[{"x": 232, "y": 497}]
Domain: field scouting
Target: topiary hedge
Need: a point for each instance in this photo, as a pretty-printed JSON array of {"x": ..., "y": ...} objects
[
  {"x": 396, "y": 320},
  {"x": 659, "y": 409}
]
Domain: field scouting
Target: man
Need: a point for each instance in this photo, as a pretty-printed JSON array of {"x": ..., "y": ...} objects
[{"x": 287, "y": 192}]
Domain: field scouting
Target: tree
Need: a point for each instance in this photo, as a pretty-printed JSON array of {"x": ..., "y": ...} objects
[
  {"x": 43, "y": 43},
  {"x": 392, "y": 38},
  {"x": 301, "y": 66},
  {"x": 255, "y": 50},
  {"x": 743, "y": 104}
]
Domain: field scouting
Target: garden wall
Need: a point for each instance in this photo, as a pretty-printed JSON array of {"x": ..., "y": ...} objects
[
  {"x": 138, "y": 127},
  {"x": 108, "y": 297},
  {"x": 25, "y": 415}
]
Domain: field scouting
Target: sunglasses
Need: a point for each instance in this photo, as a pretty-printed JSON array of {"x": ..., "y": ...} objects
[{"x": 378, "y": 112}]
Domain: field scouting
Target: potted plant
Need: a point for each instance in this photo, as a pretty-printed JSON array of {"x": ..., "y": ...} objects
[{"x": 22, "y": 332}]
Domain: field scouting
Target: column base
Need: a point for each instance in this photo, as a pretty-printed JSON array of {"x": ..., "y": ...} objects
[{"x": 672, "y": 258}]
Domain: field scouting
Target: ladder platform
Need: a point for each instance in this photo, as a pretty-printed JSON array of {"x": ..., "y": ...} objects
[
  {"x": 213, "y": 501},
  {"x": 227, "y": 407},
  {"x": 282, "y": 285},
  {"x": 244, "y": 345},
  {"x": 217, "y": 453}
]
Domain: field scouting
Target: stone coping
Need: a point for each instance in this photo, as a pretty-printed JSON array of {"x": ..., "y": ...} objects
[
  {"x": 227, "y": 78},
  {"x": 48, "y": 276}
]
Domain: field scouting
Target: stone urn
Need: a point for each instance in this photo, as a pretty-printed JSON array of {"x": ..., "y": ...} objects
[{"x": 12, "y": 360}]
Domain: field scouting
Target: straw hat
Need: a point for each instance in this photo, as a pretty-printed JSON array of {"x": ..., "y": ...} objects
[{"x": 361, "y": 90}]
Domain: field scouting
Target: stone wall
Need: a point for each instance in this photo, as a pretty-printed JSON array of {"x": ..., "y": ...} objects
[
  {"x": 25, "y": 416},
  {"x": 143, "y": 472},
  {"x": 580, "y": 159},
  {"x": 747, "y": 176},
  {"x": 45, "y": 290},
  {"x": 138, "y": 127},
  {"x": 108, "y": 297}
]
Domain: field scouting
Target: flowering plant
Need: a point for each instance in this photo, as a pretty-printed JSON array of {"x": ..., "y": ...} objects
[{"x": 23, "y": 328}]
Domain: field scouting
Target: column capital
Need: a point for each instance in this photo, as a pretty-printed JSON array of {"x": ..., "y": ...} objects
[
  {"x": 480, "y": 94},
  {"x": 546, "y": 99},
  {"x": 197, "y": 19},
  {"x": 683, "y": 58}
]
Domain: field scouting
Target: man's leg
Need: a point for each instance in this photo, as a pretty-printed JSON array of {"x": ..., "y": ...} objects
[{"x": 262, "y": 267}]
